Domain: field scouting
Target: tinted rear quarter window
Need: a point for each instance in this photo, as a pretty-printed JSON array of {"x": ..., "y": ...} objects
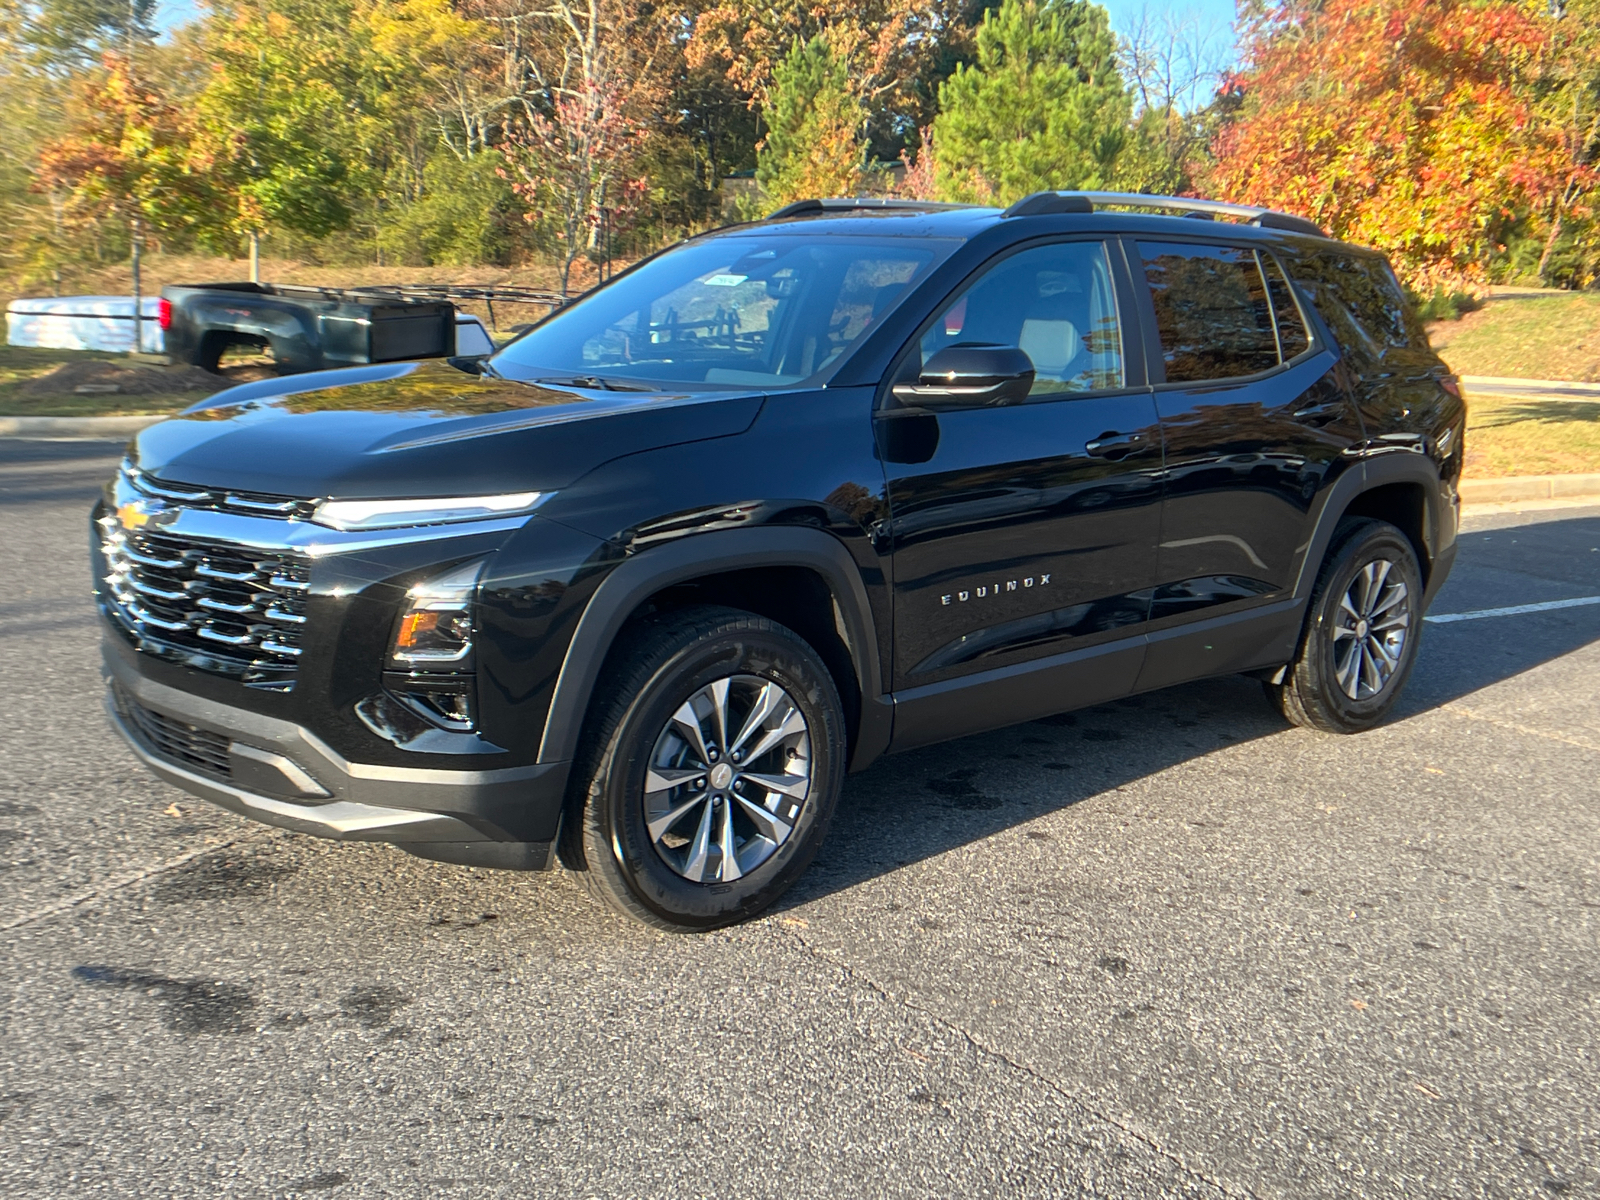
[{"x": 1360, "y": 299}]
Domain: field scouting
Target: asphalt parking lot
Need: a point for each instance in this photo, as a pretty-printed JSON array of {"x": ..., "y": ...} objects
[{"x": 1166, "y": 947}]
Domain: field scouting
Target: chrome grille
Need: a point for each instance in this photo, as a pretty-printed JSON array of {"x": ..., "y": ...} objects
[
  {"x": 249, "y": 504},
  {"x": 198, "y": 749},
  {"x": 241, "y": 610}
]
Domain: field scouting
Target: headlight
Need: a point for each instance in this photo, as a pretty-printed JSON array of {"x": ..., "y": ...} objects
[
  {"x": 394, "y": 514},
  {"x": 435, "y": 629}
]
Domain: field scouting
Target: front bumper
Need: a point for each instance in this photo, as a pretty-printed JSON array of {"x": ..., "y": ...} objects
[{"x": 280, "y": 773}]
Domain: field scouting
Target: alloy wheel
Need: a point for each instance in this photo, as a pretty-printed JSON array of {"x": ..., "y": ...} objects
[
  {"x": 727, "y": 779},
  {"x": 1370, "y": 630}
]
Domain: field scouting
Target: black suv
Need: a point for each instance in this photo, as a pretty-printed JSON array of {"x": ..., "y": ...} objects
[{"x": 637, "y": 590}]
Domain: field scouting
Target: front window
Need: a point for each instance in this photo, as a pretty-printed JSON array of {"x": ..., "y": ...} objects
[
  {"x": 1056, "y": 304},
  {"x": 748, "y": 310}
]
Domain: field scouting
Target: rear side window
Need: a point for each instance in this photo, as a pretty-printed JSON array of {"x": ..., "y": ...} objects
[
  {"x": 1212, "y": 311},
  {"x": 1362, "y": 302}
]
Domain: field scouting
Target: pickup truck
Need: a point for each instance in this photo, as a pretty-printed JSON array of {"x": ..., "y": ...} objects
[{"x": 314, "y": 328}]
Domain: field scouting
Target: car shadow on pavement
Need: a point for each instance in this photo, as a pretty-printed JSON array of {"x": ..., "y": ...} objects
[
  {"x": 914, "y": 806},
  {"x": 921, "y": 804}
]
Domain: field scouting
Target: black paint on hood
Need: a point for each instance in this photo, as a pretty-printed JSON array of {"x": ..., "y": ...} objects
[{"x": 421, "y": 429}]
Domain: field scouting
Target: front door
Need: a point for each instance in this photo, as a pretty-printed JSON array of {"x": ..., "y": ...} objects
[
  {"x": 1256, "y": 428},
  {"x": 1024, "y": 536}
]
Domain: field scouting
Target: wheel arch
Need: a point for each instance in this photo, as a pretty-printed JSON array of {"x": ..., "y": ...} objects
[
  {"x": 1402, "y": 488},
  {"x": 215, "y": 342},
  {"x": 1403, "y": 504},
  {"x": 729, "y": 567}
]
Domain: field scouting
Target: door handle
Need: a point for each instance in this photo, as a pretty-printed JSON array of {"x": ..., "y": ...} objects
[
  {"x": 1114, "y": 445},
  {"x": 1320, "y": 414}
]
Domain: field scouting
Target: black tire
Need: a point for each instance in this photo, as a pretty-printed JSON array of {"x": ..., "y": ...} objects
[
  {"x": 1313, "y": 693},
  {"x": 659, "y": 664}
]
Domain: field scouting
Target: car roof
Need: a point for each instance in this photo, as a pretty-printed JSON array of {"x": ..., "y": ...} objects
[{"x": 873, "y": 217}]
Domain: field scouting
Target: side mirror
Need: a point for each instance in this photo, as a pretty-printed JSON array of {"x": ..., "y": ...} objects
[
  {"x": 970, "y": 375},
  {"x": 472, "y": 364}
]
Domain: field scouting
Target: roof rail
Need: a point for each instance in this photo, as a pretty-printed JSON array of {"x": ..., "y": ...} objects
[
  {"x": 1041, "y": 203},
  {"x": 1047, "y": 202},
  {"x": 802, "y": 208}
]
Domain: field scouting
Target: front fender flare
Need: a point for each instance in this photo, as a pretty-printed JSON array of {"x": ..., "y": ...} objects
[{"x": 642, "y": 575}]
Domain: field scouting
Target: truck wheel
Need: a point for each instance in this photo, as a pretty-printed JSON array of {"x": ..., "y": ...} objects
[
  {"x": 711, "y": 766},
  {"x": 1361, "y": 634}
]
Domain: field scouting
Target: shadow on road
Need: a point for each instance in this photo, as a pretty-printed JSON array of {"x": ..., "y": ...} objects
[{"x": 917, "y": 805}]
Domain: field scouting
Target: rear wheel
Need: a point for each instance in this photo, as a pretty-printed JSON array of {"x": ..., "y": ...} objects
[
  {"x": 711, "y": 769},
  {"x": 1362, "y": 629}
]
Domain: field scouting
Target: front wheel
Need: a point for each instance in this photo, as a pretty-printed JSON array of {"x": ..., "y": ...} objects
[
  {"x": 713, "y": 761},
  {"x": 1362, "y": 629}
]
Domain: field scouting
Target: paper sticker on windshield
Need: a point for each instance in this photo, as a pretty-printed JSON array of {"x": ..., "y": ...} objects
[{"x": 726, "y": 280}]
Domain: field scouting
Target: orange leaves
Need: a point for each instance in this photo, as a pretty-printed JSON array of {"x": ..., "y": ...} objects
[
  {"x": 125, "y": 154},
  {"x": 1404, "y": 124},
  {"x": 887, "y": 42}
]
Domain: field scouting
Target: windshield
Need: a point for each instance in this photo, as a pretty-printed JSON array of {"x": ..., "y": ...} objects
[{"x": 762, "y": 311}]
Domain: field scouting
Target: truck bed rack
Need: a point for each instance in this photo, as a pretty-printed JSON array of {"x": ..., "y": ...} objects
[{"x": 427, "y": 291}]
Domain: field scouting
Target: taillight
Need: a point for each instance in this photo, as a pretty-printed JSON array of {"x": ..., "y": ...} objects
[
  {"x": 164, "y": 313},
  {"x": 1451, "y": 384}
]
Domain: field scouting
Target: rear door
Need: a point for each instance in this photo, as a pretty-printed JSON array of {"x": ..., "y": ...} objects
[
  {"x": 1256, "y": 428},
  {"x": 1025, "y": 533}
]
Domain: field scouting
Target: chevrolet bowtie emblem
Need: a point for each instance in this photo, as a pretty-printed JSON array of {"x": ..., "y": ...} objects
[{"x": 137, "y": 513}]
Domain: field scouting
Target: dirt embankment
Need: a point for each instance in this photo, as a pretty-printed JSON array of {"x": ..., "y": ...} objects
[{"x": 120, "y": 379}]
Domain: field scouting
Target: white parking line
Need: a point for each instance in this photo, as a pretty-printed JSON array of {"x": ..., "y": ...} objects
[{"x": 1515, "y": 610}]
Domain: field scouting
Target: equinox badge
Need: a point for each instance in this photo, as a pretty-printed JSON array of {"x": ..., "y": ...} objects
[{"x": 988, "y": 590}]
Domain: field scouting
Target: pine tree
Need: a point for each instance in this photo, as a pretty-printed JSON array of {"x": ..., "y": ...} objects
[
  {"x": 1043, "y": 107},
  {"x": 814, "y": 146}
]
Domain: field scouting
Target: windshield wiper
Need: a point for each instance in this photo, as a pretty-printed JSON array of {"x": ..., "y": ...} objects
[{"x": 598, "y": 383}]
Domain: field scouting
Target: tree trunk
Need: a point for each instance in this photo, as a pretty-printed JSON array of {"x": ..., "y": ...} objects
[
  {"x": 138, "y": 284},
  {"x": 255, "y": 256},
  {"x": 1549, "y": 246}
]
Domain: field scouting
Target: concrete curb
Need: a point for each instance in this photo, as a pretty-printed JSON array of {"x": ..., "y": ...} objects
[
  {"x": 103, "y": 428},
  {"x": 1499, "y": 383},
  {"x": 1529, "y": 487}
]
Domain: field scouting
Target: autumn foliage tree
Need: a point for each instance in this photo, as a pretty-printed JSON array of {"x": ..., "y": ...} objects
[
  {"x": 125, "y": 160},
  {"x": 279, "y": 117},
  {"x": 575, "y": 170},
  {"x": 1408, "y": 125},
  {"x": 898, "y": 51}
]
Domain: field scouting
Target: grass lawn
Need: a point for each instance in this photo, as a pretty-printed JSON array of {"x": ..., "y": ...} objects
[
  {"x": 21, "y": 363},
  {"x": 1511, "y": 436},
  {"x": 1528, "y": 335},
  {"x": 1525, "y": 336}
]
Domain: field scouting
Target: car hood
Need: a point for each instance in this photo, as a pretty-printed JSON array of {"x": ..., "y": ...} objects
[{"x": 420, "y": 429}]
